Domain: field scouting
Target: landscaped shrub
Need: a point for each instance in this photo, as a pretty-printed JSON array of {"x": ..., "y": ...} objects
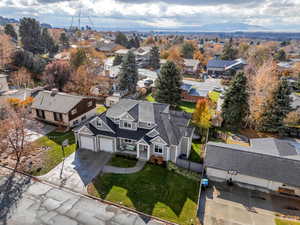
[{"x": 184, "y": 172}]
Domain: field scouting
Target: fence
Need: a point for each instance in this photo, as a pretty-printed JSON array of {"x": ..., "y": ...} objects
[{"x": 186, "y": 164}]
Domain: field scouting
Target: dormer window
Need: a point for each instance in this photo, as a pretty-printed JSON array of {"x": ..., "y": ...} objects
[
  {"x": 90, "y": 103},
  {"x": 74, "y": 111},
  {"x": 127, "y": 125}
]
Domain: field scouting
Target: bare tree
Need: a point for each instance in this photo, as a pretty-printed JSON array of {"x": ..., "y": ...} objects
[
  {"x": 7, "y": 47},
  {"x": 14, "y": 137},
  {"x": 22, "y": 78}
]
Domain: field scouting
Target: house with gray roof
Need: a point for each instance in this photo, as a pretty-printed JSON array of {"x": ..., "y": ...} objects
[
  {"x": 219, "y": 67},
  {"x": 269, "y": 164},
  {"x": 63, "y": 109},
  {"x": 191, "y": 66},
  {"x": 139, "y": 128}
]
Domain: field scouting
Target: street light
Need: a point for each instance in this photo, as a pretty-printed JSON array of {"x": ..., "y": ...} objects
[{"x": 64, "y": 144}]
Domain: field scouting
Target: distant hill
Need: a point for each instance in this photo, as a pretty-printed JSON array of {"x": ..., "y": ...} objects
[
  {"x": 230, "y": 27},
  {"x": 4, "y": 21}
]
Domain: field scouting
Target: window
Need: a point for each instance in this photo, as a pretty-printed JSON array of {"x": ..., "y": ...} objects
[
  {"x": 149, "y": 124},
  {"x": 57, "y": 116},
  {"x": 90, "y": 103},
  {"x": 99, "y": 123},
  {"x": 75, "y": 122},
  {"x": 127, "y": 125},
  {"x": 127, "y": 141},
  {"x": 74, "y": 111},
  {"x": 83, "y": 118},
  {"x": 158, "y": 149}
]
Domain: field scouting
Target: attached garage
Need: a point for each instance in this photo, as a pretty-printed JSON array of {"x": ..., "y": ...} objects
[
  {"x": 87, "y": 143},
  {"x": 106, "y": 145}
]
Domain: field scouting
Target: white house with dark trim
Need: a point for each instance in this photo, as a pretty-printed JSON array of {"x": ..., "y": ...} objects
[
  {"x": 139, "y": 128},
  {"x": 269, "y": 164}
]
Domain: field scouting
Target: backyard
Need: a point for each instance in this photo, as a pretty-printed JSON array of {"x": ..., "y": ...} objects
[
  {"x": 52, "y": 151},
  {"x": 285, "y": 222},
  {"x": 154, "y": 191},
  {"x": 196, "y": 152}
]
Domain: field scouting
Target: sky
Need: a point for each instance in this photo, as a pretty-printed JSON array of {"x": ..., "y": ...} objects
[{"x": 189, "y": 15}]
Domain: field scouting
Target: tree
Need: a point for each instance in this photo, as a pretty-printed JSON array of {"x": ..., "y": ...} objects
[
  {"x": 235, "y": 107},
  {"x": 277, "y": 108},
  {"x": 202, "y": 116},
  {"x": 30, "y": 32},
  {"x": 199, "y": 56},
  {"x": 280, "y": 55},
  {"x": 7, "y": 47},
  {"x": 117, "y": 60},
  {"x": 292, "y": 118},
  {"x": 187, "y": 50},
  {"x": 64, "y": 40},
  {"x": 57, "y": 74},
  {"x": 10, "y": 30},
  {"x": 229, "y": 52},
  {"x": 154, "y": 58},
  {"x": 298, "y": 81},
  {"x": 121, "y": 39},
  {"x": 168, "y": 84},
  {"x": 128, "y": 75},
  {"x": 22, "y": 78},
  {"x": 48, "y": 42},
  {"x": 14, "y": 137},
  {"x": 149, "y": 41},
  {"x": 78, "y": 58},
  {"x": 175, "y": 56}
]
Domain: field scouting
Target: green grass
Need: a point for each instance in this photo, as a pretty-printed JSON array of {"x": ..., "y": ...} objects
[
  {"x": 121, "y": 161},
  {"x": 101, "y": 109},
  {"x": 196, "y": 152},
  {"x": 52, "y": 157},
  {"x": 214, "y": 96},
  {"x": 154, "y": 190},
  {"x": 285, "y": 222},
  {"x": 188, "y": 107},
  {"x": 150, "y": 98}
]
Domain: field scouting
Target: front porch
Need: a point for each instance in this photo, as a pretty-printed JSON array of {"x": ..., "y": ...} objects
[{"x": 130, "y": 147}]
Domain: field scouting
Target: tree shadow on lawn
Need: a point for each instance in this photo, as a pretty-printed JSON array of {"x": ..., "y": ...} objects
[
  {"x": 58, "y": 137},
  {"x": 152, "y": 189}
]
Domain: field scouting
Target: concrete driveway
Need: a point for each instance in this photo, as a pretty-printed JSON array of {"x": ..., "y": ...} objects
[
  {"x": 78, "y": 170},
  {"x": 36, "y": 130}
]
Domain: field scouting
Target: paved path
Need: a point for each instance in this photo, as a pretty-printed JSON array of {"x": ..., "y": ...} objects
[
  {"x": 78, "y": 170},
  {"x": 27, "y": 202},
  {"x": 112, "y": 169}
]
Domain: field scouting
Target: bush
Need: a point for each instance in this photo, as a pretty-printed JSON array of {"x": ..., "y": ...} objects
[{"x": 184, "y": 172}]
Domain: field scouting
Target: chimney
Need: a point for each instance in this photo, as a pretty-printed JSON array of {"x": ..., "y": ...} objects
[{"x": 54, "y": 91}]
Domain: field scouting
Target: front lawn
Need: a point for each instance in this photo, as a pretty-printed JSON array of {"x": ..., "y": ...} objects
[
  {"x": 188, "y": 107},
  {"x": 214, "y": 96},
  {"x": 154, "y": 191},
  {"x": 286, "y": 222},
  {"x": 53, "y": 154},
  {"x": 150, "y": 98},
  {"x": 196, "y": 152},
  {"x": 122, "y": 161}
]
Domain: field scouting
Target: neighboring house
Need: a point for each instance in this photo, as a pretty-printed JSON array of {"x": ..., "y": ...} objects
[
  {"x": 191, "y": 67},
  {"x": 295, "y": 101},
  {"x": 106, "y": 48},
  {"x": 269, "y": 164},
  {"x": 142, "y": 55},
  {"x": 223, "y": 67},
  {"x": 111, "y": 70},
  {"x": 139, "y": 128},
  {"x": 192, "y": 94},
  {"x": 62, "y": 109}
]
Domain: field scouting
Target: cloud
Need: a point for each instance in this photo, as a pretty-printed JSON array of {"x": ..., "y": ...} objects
[{"x": 139, "y": 14}]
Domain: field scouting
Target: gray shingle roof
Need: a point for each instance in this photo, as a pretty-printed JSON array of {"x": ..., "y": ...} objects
[
  {"x": 215, "y": 63},
  {"x": 245, "y": 160},
  {"x": 60, "y": 102}
]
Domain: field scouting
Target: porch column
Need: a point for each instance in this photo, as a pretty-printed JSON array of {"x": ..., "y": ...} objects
[
  {"x": 138, "y": 151},
  {"x": 148, "y": 152}
]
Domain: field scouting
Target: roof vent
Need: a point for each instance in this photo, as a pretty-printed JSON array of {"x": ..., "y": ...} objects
[{"x": 54, "y": 91}]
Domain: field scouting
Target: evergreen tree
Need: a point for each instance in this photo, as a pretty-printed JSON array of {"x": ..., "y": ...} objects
[
  {"x": 154, "y": 58},
  {"x": 128, "y": 76},
  {"x": 280, "y": 55},
  {"x": 64, "y": 40},
  {"x": 121, "y": 39},
  {"x": 117, "y": 60},
  {"x": 187, "y": 50},
  {"x": 298, "y": 82},
  {"x": 137, "y": 41},
  {"x": 277, "y": 108},
  {"x": 229, "y": 52},
  {"x": 48, "y": 42},
  {"x": 168, "y": 84},
  {"x": 10, "y": 30},
  {"x": 30, "y": 33},
  {"x": 235, "y": 107},
  {"x": 79, "y": 58}
]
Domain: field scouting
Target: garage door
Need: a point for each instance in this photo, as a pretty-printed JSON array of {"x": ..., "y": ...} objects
[
  {"x": 106, "y": 145},
  {"x": 87, "y": 143}
]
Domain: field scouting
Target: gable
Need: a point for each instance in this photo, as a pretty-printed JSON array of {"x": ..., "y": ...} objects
[
  {"x": 158, "y": 140},
  {"x": 104, "y": 126},
  {"x": 153, "y": 133},
  {"x": 85, "y": 130},
  {"x": 142, "y": 141},
  {"x": 126, "y": 116}
]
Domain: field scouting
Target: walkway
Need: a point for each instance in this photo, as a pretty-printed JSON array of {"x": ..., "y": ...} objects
[
  {"x": 78, "y": 170},
  {"x": 118, "y": 170},
  {"x": 24, "y": 201}
]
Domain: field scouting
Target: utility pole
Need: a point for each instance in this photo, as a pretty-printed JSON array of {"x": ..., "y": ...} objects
[{"x": 64, "y": 144}]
